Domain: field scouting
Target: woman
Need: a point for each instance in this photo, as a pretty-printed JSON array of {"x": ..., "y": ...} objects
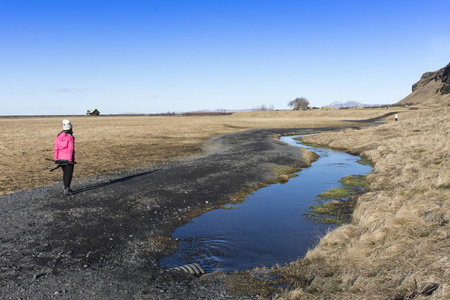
[{"x": 65, "y": 154}]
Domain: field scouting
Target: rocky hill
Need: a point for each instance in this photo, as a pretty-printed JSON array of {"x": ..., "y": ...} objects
[{"x": 433, "y": 89}]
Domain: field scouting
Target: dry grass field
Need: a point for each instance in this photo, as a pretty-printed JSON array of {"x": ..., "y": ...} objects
[
  {"x": 109, "y": 143},
  {"x": 398, "y": 244}
]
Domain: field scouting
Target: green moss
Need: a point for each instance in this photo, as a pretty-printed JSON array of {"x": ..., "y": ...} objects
[
  {"x": 321, "y": 209},
  {"x": 330, "y": 213},
  {"x": 332, "y": 194},
  {"x": 354, "y": 181},
  {"x": 365, "y": 162},
  {"x": 229, "y": 207},
  {"x": 335, "y": 206}
]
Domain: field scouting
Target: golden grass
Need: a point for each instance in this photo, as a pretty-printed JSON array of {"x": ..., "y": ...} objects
[
  {"x": 109, "y": 143},
  {"x": 398, "y": 244}
]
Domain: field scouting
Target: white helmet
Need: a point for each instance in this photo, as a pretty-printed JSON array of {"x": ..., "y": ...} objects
[{"x": 66, "y": 124}]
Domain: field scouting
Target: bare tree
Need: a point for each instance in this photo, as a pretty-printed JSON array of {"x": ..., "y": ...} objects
[
  {"x": 299, "y": 103},
  {"x": 264, "y": 107}
]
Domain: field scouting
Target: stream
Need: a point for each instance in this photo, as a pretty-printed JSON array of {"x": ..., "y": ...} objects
[{"x": 269, "y": 227}]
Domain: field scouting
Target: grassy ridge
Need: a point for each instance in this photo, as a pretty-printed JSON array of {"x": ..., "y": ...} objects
[{"x": 398, "y": 243}]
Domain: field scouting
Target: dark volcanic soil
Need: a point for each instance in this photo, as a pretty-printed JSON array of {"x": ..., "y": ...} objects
[{"x": 105, "y": 241}]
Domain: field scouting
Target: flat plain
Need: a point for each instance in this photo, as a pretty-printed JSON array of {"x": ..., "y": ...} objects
[
  {"x": 395, "y": 247},
  {"x": 107, "y": 144}
]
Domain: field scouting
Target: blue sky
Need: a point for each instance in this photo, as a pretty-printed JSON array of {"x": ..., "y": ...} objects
[{"x": 64, "y": 57}]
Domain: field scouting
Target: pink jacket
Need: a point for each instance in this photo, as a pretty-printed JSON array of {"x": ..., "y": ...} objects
[{"x": 64, "y": 147}]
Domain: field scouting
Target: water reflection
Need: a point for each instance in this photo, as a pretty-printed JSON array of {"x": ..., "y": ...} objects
[{"x": 268, "y": 228}]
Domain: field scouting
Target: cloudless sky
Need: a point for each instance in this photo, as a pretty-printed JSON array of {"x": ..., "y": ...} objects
[{"x": 136, "y": 56}]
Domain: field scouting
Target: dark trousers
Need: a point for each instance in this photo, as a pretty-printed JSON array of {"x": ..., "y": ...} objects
[{"x": 67, "y": 175}]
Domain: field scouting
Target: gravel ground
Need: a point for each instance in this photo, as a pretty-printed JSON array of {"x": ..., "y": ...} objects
[{"x": 104, "y": 242}]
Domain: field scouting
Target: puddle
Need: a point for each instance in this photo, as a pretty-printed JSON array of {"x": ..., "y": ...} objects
[{"x": 268, "y": 228}]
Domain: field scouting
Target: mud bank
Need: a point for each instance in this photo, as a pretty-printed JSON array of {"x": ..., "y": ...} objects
[{"x": 105, "y": 241}]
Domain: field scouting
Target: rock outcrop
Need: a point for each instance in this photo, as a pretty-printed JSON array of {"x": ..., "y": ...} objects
[
  {"x": 441, "y": 75},
  {"x": 433, "y": 89}
]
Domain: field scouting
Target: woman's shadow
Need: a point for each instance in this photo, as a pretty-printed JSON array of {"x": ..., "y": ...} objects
[{"x": 111, "y": 182}]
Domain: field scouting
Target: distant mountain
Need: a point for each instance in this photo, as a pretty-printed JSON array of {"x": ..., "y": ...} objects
[
  {"x": 433, "y": 89},
  {"x": 349, "y": 104}
]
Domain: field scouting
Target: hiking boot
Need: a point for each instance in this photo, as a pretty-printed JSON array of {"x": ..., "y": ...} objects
[{"x": 68, "y": 192}]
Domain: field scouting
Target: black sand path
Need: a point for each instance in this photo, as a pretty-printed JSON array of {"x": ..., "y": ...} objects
[{"x": 105, "y": 241}]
